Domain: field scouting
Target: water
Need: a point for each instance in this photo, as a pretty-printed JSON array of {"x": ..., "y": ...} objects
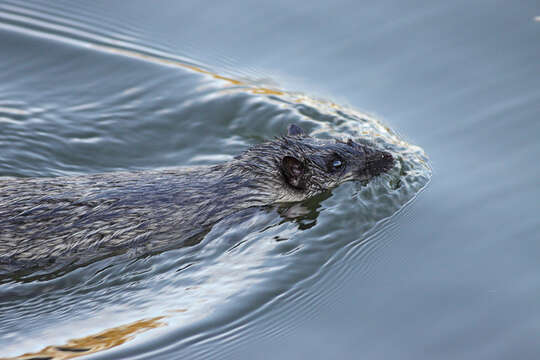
[{"x": 386, "y": 270}]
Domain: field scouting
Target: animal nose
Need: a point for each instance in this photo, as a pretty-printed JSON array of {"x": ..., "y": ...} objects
[
  {"x": 386, "y": 160},
  {"x": 379, "y": 162},
  {"x": 386, "y": 157}
]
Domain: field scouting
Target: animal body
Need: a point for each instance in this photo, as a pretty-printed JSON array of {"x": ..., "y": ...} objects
[{"x": 44, "y": 220}]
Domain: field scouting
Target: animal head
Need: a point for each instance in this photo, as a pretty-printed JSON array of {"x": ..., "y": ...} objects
[{"x": 303, "y": 166}]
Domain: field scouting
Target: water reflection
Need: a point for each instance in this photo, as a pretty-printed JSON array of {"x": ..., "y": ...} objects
[
  {"x": 135, "y": 113},
  {"x": 87, "y": 345}
]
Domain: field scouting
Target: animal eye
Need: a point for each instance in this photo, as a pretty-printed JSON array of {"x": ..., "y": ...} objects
[{"x": 336, "y": 164}]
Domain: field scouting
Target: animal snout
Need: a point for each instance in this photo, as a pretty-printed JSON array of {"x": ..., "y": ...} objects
[{"x": 379, "y": 162}]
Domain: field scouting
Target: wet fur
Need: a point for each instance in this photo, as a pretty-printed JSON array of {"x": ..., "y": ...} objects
[{"x": 57, "y": 220}]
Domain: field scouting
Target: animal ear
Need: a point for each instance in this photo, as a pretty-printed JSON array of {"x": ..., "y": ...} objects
[
  {"x": 295, "y": 130},
  {"x": 293, "y": 170}
]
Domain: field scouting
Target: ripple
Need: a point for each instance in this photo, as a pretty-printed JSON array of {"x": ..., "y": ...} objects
[{"x": 161, "y": 110}]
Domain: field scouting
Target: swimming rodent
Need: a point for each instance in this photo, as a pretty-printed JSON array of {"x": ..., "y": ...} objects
[{"x": 46, "y": 221}]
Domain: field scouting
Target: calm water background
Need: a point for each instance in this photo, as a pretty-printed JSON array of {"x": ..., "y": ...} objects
[{"x": 96, "y": 86}]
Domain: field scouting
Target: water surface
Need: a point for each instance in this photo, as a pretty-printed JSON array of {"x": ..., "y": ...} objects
[{"x": 375, "y": 271}]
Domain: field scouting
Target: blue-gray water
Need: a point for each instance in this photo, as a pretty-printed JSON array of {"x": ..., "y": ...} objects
[{"x": 443, "y": 264}]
